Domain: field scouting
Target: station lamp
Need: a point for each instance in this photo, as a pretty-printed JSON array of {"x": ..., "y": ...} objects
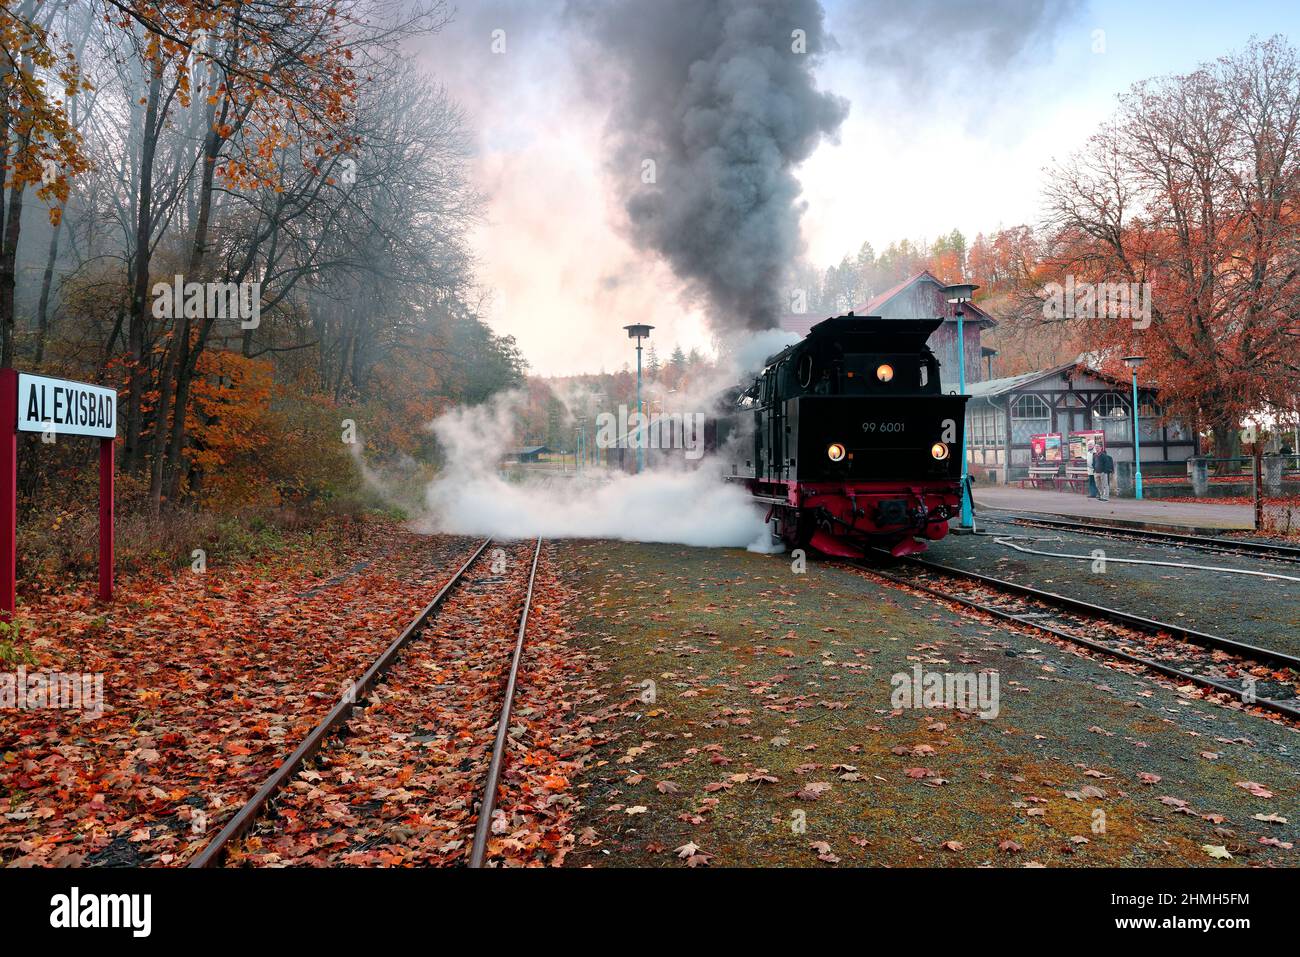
[
  {"x": 959, "y": 294},
  {"x": 1133, "y": 362},
  {"x": 639, "y": 331}
]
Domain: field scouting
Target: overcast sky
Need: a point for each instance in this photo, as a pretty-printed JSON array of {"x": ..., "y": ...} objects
[{"x": 955, "y": 108}]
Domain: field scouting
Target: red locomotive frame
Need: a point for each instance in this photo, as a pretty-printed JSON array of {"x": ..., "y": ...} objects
[{"x": 846, "y": 514}]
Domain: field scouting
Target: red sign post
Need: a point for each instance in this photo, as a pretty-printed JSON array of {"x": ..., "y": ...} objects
[
  {"x": 53, "y": 407},
  {"x": 8, "y": 492}
]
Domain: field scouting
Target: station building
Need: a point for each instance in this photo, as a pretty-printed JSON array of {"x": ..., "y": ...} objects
[
  {"x": 527, "y": 454},
  {"x": 1004, "y": 413}
]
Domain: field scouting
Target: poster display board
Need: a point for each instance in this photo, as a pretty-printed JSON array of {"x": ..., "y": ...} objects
[
  {"x": 1045, "y": 448},
  {"x": 1079, "y": 444}
]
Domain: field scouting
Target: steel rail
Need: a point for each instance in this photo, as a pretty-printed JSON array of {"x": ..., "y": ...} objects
[
  {"x": 1287, "y": 553},
  {"x": 1110, "y": 614},
  {"x": 1151, "y": 625},
  {"x": 244, "y": 818},
  {"x": 479, "y": 849}
]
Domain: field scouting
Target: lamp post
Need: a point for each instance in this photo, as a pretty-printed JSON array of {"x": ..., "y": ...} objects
[
  {"x": 960, "y": 294},
  {"x": 1295, "y": 426},
  {"x": 593, "y": 403},
  {"x": 1133, "y": 362},
  {"x": 639, "y": 332}
]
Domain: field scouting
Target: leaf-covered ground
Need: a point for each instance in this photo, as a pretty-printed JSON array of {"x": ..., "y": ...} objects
[
  {"x": 769, "y": 736},
  {"x": 401, "y": 787},
  {"x": 209, "y": 681}
]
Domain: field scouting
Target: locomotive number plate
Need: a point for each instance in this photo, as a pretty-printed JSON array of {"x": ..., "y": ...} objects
[{"x": 883, "y": 427}]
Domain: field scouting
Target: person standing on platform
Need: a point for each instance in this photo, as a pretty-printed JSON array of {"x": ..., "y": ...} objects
[
  {"x": 1105, "y": 466},
  {"x": 1088, "y": 456}
]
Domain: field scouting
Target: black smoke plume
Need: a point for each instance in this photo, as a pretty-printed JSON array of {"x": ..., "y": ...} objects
[{"x": 720, "y": 96}]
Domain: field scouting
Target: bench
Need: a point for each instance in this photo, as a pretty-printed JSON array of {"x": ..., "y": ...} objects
[
  {"x": 1040, "y": 474},
  {"x": 1076, "y": 477}
]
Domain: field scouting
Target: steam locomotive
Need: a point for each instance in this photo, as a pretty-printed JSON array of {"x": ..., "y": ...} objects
[{"x": 848, "y": 438}]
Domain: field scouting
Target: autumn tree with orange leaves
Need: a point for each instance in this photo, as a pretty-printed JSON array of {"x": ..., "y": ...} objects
[
  {"x": 38, "y": 144},
  {"x": 282, "y": 143},
  {"x": 273, "y": 76},
  {"x": 1192, "y": 186}
]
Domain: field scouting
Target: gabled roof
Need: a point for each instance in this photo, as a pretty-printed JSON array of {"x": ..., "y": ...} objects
[
  {"x": 1084, "y": 363},
  {"x": 874, "y": 305},
  {"x": 802, "y": 323},
  {"x": 991, "y": 387},
  {"x": 883, "y": 297}
]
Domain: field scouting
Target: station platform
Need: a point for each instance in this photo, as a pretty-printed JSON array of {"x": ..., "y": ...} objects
[{"x": 1188, "y": 517}]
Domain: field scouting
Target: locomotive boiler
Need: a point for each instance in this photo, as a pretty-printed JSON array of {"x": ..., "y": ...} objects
[{"x": 849, "y": 440}]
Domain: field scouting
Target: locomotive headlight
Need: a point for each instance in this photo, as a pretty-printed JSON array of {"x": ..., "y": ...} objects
[
  {"x": 939, "y": 450},
  {"x": 835, "y": 452},
  {"x": 885, "y": 372}
]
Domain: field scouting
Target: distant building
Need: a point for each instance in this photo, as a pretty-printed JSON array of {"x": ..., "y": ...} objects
[
  {"x": 922, "y": 297},
  {"x": 1073, "y": 397},
  {"x": 529, "y": 453}
]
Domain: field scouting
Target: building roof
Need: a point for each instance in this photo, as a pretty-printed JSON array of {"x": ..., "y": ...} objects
[
  {"x": 528, "y": 450},
  {"x": 991, "y": 387},
  {"x": 878, "y": 301},
  {"x": 1084, "y": 362},
  {"x": 800, "y": 324}
]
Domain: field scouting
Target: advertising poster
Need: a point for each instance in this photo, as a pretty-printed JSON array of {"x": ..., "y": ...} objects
[
  {"x": 1079, "y": 443},
  {"x": 1045, "y": 448}
]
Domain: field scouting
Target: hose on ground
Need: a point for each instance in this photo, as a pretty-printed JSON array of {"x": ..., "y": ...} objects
[{"x": 1143, "y": 561}]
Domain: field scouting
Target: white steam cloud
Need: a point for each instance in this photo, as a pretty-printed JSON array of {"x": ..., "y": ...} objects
[
  {"x": 748, "y": 354},
  {"x": 471, "y": 497}
]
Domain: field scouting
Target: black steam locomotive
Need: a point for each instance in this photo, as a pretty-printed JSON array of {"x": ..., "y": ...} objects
[{"x": 853, "y": 442}]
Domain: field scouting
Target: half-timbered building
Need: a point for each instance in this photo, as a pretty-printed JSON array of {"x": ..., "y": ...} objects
[{"x": 1074, "y": 397}]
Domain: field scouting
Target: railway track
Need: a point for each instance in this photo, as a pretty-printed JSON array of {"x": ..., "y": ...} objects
[
  {"x": 1225, "y": 546},
  {"x": 478, "y": 850},
  {"x": 334, "y": 723},
  {"x": 1209, "y": 661}
]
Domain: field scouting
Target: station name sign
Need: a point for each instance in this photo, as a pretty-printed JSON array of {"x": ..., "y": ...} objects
[{"x": 65, "y": 407}]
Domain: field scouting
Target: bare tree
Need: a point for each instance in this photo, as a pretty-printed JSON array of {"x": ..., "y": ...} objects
[{"x": 1192, "y": 188}]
